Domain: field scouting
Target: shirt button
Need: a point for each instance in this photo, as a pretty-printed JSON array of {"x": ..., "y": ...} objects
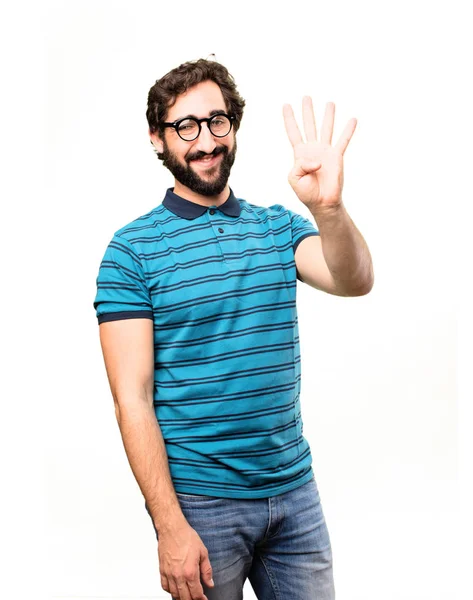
[
  {"x": 212, "y": 212},
  {"x": 220, "y": 230}
]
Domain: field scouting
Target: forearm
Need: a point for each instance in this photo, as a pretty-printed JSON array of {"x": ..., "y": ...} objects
[
  {"x": 345, "y": 250},
  {"x": 146, "y": 452}
]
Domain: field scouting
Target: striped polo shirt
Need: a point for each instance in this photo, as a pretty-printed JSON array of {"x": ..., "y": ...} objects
[{"x": 220, "y": 285}]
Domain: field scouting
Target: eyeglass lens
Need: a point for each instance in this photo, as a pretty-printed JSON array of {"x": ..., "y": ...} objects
[{"x": 220, "y": 126}]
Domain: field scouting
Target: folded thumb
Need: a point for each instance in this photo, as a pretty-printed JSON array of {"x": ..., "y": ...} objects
[{"x": 306, "y": 165}]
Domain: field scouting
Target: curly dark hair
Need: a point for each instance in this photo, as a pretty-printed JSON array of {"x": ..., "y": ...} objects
[{"x": 163, "y": 95}]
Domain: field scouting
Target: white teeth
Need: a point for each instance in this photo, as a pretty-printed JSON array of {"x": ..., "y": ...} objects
[{"x": 205, "y": 160}]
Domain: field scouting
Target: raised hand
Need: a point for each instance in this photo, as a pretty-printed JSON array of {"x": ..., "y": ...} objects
[{"x": 317, "y": 175}]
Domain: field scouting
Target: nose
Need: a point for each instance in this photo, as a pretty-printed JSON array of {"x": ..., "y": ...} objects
[{"x": 205, "y": 141}]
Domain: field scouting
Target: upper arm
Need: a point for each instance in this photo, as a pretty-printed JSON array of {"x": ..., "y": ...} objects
[
  {"x": 125, "y": 314},
  {"x": 311, "y": 266},
  {"x": 128, "y": 351}
]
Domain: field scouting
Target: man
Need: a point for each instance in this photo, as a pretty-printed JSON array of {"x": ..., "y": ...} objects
[{"x": 196, "y": 302}]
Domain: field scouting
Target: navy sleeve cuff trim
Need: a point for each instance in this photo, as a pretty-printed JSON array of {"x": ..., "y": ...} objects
[{"x": 126, "y": 314}]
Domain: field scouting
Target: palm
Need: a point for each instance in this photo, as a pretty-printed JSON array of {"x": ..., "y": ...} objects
[{"x": 317, "y": 175}]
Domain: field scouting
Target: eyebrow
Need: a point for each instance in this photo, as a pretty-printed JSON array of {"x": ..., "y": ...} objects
[{"x": 216, "y": 111}]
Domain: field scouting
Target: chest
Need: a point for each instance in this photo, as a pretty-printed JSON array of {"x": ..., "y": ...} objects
[{"x": 219, "y": 267}]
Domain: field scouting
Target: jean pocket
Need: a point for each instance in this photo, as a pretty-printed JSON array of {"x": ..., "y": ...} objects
[{"x": 186, "y": 495}]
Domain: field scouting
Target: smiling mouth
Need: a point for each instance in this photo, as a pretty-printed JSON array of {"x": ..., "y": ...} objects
[{"x": 207, "y": 161}]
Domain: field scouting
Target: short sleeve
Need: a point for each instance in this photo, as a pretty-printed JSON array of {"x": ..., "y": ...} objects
[
  {"x": 301, "y": 228},
  {"x": 122, "y": 292}
]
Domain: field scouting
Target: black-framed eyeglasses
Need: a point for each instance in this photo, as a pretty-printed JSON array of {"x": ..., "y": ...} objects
[{"x": 189, "y": 129}]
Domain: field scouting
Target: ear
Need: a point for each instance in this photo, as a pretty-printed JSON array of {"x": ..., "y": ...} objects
[{"x": 156, "y": 141}]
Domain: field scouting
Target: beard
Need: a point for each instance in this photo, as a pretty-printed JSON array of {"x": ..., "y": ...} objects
[{"x": 216, "y": 177}]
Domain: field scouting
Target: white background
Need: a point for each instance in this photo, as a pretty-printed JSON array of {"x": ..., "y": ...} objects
[{"x": 386, "y": 413}]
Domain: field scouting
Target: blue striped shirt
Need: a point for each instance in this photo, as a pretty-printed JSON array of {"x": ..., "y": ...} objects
[{"x": 220, "y": 285}]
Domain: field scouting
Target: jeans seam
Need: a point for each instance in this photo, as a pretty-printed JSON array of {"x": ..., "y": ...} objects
[
  {"x": 281, "y": 520},
  {"x": 274, "y": 586}
]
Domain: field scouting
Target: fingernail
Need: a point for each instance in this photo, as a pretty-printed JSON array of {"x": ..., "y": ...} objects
[{"x": 212, "y": 581}]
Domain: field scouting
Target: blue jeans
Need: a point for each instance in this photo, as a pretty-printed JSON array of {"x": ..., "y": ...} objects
[{"x": 281, "y": 544}]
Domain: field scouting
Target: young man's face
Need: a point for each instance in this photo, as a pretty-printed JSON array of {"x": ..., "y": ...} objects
[{"x": 180, "y": 155}]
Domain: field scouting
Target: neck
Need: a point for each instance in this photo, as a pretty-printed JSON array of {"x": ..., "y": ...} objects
[{"x": 188, "y": 194}]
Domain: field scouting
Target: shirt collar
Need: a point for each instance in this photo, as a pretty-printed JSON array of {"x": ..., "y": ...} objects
[{"x": 190, "y": 210}]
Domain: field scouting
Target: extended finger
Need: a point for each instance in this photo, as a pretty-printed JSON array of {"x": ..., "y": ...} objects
[
  {"x": 347, "y": 133},
  {"x": 165, "y": 584},
  {"x": 173, "y": 589},
  {"x": 292, "y": 129},
  {"x": 308, "y": 119},
  {"x": 195, "y": 586},
  {"x": 182, "y": 590},
  {"x": 327, "y": 126}
]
